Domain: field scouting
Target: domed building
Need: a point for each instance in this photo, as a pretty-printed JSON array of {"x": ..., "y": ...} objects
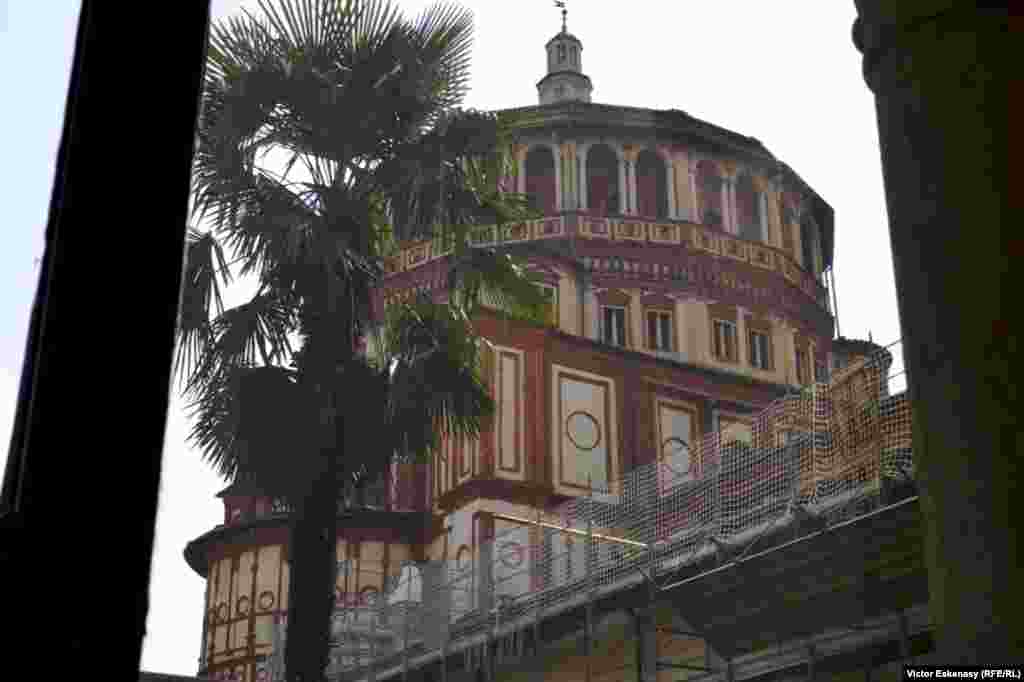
[{"x": 686, "y": 268}]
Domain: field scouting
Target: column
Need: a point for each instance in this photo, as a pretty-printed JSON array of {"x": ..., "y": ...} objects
[
  {"x": 734, "y": 226},
  {"x": 593, "y": 309},
  {"x": 798, "y": 246},
  {"x": 623, "y": 198},
  {"x": 631, "y": 180},
  {"x": 691, "y": 173},
  {"x": 774, "y": 218},
  {"x": 789, "y": 355},
  {"x": 636, "y": 322},
  {"x": 670, "y": 180},
  {"x": 762, "y": 199},
  {"x": 557, "y": 149},
  {"x": 742, "y": 351},
  {"x": 726, "y": 222},
  {"x": 582, "y": 176},
  {"x": 682, "y": 344},
  {"x": 568, "y": 153}
]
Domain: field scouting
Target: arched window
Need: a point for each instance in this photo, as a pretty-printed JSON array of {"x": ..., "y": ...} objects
[
  {"x": 540, "y": 178},
  {"x": 561, "y": 53},
  {"x": 651, "y": 185},
  {"x": 603, "y": 181},
  {"x": 574, "y": 56},
  {"x": 748, "y": 208},
  {"x": 709, "y": 194}
]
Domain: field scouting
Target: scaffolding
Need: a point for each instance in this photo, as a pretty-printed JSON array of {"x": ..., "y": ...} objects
[{"x": 829, "y": 453}]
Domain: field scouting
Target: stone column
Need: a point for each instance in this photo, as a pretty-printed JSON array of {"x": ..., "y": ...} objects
[
  {"x": 558, "y": 177},
  {"x": 634, "y": 205},
  {"x": 788, "y": 354},
  {"x": 623, "y": 196},
  {"x": 941, "y": 79},
  {"x": 569, "y": 184},
  {"x": 636, "y": 322},
  {"x": 691, "y": 173},
  {"x": 734, "y": 225},
  {"x": 682, "y": 344},
  {"x": 762, "y": 200},
  {"x": 774, "y": 219},
  {"x": 592, "y": 315},
  {"x": 582, "y": 179},
  {"x": 798, "y": 237},
  {"x": 670, "y": 188},
  {"x": 742, "y": 352},
  {"x": 726, "y": 220}
]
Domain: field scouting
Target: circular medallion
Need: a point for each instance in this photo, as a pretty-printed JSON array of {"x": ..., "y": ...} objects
[
  {"x": 676, "y": 454},
  {"x": 265, "y": 600},
  {"x": 242, "y": 606},
  {"x": 222, "y": 612},
  {"x": 583, "y": 430},
  {"x": 511, "y": 554}
]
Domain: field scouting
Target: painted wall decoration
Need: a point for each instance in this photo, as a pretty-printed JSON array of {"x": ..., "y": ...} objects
[
  {"x": 676, "y": 426},
  {"x": 510, "y": 423},
  {"x": 584, "y": 430}
]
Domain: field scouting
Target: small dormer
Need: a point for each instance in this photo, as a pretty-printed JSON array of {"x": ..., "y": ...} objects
[{"x": 565, "y": 80}]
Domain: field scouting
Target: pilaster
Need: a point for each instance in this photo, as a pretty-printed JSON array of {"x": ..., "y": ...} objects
[
  {"x": 623, "y": 206},
  {"x": 742, "y": 352},
  {"x": 636, "y": 321}
]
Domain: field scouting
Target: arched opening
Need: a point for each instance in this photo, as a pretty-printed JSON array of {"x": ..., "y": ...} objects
[
  {"x": 709, "y": 194},
  {"x": 540, "y": 178},
  {"x": 651, "y": 185},
  {"x": 603, "y": 181},
  {"x": 748, "y": 208}
]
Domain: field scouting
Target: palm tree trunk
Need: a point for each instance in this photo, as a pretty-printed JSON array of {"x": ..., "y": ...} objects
[{"x": 312, "y": 557}]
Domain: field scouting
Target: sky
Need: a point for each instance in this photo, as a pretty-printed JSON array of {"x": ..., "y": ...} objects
[{"x": 784, "y": 73}]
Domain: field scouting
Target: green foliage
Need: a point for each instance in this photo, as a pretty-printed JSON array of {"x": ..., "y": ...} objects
[
  {"x": 363, "y": 101},
  {"x": 361, "y": 104}
]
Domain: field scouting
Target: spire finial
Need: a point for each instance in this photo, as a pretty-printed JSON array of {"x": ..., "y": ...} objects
[{"x": 561, "y": 5}]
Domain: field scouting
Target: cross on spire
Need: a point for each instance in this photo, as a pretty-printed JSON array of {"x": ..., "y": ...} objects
[{"x": 561, "y": 5}]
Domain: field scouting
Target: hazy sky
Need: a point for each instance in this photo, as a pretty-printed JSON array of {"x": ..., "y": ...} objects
[{"x": 785, "y": 73}]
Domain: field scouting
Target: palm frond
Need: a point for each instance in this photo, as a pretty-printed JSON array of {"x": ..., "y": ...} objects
[
  {"x": 245, "y": 424},
  {"x": 201, "y": 297},
  {"x": 244, "y": 336},
  {"x": 432, "y": 357},
  {"x": 497, "y": 280}
]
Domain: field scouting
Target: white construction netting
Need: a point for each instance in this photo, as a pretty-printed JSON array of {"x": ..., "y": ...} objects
[{"x": 832, "y": 451}]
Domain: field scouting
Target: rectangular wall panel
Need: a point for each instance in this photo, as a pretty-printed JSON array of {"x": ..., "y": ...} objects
[
  {"x": 675, "y": 443},
  {"x": 510, "y": 423},
  {"x": 584, "y": 430},
  {"x": 510, "y": 414}
]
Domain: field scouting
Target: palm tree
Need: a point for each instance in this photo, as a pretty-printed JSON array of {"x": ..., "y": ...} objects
[{"x": 363, "y": 102}]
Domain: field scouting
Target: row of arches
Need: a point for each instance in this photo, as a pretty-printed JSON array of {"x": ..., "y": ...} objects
[{"x": 604, "y": 189}]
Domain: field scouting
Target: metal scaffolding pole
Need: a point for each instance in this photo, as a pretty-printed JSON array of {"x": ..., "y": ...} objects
[
  {"x": 588, "y": 563},
  {"x": 405, "y": 632},
  {"x": 541, "y": 536}
]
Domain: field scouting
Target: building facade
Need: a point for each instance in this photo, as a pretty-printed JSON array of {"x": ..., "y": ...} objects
[{"x": 686, "y": 269}]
